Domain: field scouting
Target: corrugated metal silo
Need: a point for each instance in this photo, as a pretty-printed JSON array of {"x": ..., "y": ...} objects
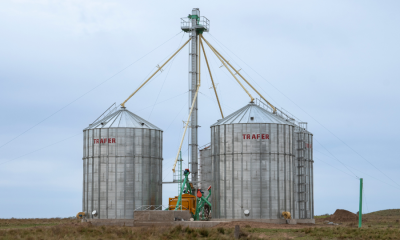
[
  {"x": 253, "y": 165},
  {"x": 206, "y": 169},
  {"x": 122, "y": 165}
]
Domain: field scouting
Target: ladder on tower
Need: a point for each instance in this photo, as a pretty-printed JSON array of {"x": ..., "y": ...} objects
[{"x": 301, "y": 170}]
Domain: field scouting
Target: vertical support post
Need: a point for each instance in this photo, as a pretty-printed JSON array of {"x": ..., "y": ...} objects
[
  {"x": 180, "y": 175},
  {"x": 360, "y": 208},
  {"x": 180, "y": 172},
  {"x": 179, "y": 202},
  {"x": 193, "y": 144}
]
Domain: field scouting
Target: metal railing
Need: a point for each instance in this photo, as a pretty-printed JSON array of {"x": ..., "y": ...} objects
[
  {"x": 150, "y": 208},
  {"x": 185, "y": 22},
  {"x": 205, "y": 146},
  {"x": 284, "y": 114},
  {"x": 181, "y": 208},
  {"x": 205, "y": 23},
  {"x": 202, "y": 22}
]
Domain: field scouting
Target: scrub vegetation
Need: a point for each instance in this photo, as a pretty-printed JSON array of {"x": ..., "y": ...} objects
[
  {"x": 87, "y": 231},
  {"x": 377, "y": 225}
]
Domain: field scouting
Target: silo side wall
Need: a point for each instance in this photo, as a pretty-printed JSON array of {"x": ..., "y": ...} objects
[
  {"x": 311, "y": 176},
  {"x": 206, "y": 171},
  {"x": 254, "y": 174},
  {"x": 121, "y": 175}
]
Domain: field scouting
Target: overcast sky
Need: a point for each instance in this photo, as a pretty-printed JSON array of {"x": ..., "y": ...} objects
[{"x": 333, "y": 64}]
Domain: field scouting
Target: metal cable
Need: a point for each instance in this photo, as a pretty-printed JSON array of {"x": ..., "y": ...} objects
[
  {"x": 170, "y": 66},
  {"x": 335, "y": 157},
  {"x": 78, "y": 134},
  {"x": 175, "y": 117},
  {"x": 363, "y": 172},
  {"x": 312, "y": 117},
  {"x": 169, "y": 168},
  {"x": 41, "y": 148},
  {"x": 103, "y": 113},
  {"x": 162, "y": 101},
  {"x": 86, "y": 92},
  {"x": 213, "y": 100},
  {"x": 248, "y": 76},
  {"x": 158, "y": 70},
  {"x": 336, "y": 168}
]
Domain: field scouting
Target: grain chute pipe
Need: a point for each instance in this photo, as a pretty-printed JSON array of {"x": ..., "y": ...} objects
[
  {"x": 233, "y": 75},
  {"x": 179, "y": 202},
  {"x": 123, "y": 104},
  {"x": 187, "y": 123},
  {"x": 212, "y": 80},
  {"x": 273, "y": 107}
]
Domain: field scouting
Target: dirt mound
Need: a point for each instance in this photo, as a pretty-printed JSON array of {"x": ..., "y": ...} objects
[{"x": 342, "y": 215}]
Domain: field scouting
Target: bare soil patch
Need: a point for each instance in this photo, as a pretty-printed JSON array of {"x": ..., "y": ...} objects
[{"x": 342, "y": 215}]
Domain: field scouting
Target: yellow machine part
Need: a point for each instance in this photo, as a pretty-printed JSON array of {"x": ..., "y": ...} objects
[
  {"x": 188, "y": 203},
  {"x": 80, "y": 215},
  {"x": 286, "y": 215}
]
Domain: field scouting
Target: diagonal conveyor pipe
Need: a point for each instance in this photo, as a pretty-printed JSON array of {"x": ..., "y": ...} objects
[
  {"x": 212, "y": 80},
  {"x": 223, "y": 62},
  {"x": 123, "y": 104},
  {"x": 273, "y": 107}
]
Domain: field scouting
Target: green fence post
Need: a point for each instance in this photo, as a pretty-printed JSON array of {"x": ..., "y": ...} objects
[{"x": 360, "y": 209}]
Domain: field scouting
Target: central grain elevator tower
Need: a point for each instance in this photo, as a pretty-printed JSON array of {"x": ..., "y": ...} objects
[{"x": 194, "y": 27}]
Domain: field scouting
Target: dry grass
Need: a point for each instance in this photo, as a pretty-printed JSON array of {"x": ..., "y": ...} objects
[
  {"x": 377, "y": 225},
  {"x": 87, "y": 231},
  {"x": 32, "y": 222},
  {"x": 322, "y": 216},
  {"x": 351, "y": 233}
]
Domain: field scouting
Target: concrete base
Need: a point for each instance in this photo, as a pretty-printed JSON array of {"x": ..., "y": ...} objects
[
  {"x": 194, "y": 224},
  {"x": 305, "y": 221},
  {"x": 291, "y": 221},
  {"x": 155, "y": 218},
  {"x": 132, "y": 223},
  {"x": 174, "y": 218}
]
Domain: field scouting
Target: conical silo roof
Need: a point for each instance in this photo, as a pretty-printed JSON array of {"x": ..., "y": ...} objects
[
  {"x": 122, "y": 119},
  {"x": 252, "y": 113}
]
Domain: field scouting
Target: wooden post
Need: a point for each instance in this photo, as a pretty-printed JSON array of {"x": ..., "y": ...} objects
[{"x": 237, "y": 232}]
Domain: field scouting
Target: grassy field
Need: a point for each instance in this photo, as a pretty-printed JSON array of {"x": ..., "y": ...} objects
[{"x": 377, "y": 225}]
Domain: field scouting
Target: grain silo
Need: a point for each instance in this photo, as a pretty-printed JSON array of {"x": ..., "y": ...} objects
[
  {"x": 122, "y": 165},
  {"x": 253, "y": 165}
]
